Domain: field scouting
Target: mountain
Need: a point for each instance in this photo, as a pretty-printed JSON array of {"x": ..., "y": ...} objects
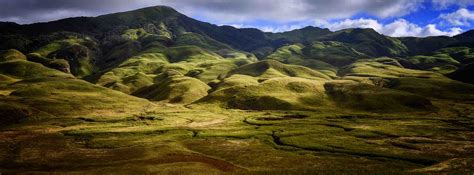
[
  {"x": 133, "y": 51},
  {"x": 152, "y": 91},
  {"x": 466, "y": 36}
]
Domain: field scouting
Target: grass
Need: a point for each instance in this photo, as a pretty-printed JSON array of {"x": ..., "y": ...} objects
[
  {"x": 143, "y": 71},
  {"x": 189, "y": 38},
  {"x": 57, "y": 45},
  {"x": 444, "y": 60},
  {"x": 463, "y": 55},
  {"x": 213, "y": 140},
  {"x": 380, "y": 68},
  {"x": 219, "y": 110},
  {"x": 134, "y": 34},
  {"x": 47, "y": 91},
  {"x": 22, "y": 69},
  {"x": 189, "y": 53},
  {"x": 293, "y": 54},
  {"x": 79, "y": 57},
  {"x": 270, "y": 85},
  {"x": 444, "y": 88},
  {"x": 276, "y": 93},
  {"x": 427, "y": 62},
  {"x": 135, "y": 73},
  {"x": 335, "y": 53},
  {"x": 368, "y": 42},
  {"x": 61, "y": 96},
  {"x": 96, "y": 130},
  {"x": 372, "y": 98},
  {"x": 270, "y": 69},
  {"x": 288, "y": 54},
  {"x": 174, "y": 89},
  {"x": 11, "y": 54}
]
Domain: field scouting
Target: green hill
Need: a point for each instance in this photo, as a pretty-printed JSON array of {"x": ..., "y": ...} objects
[
  {"x": 270, "y": 68},
  {"x": 369, "y": 42},
  {"x": 30, "y": 91},
  {"x": 152, "y": 91},
  {"x": 173, "y": 87}
]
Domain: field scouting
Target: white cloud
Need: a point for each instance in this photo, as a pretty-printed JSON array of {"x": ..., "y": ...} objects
[
  {"x": 217, "y": 11},
  {"x": 461, "y": 17},
  {"x": 231, "y": 11},
  {"x": 355, "y": 23},
  {"x": 291, "y": 14},
  {"x": 281, "y": 28},
  {"x": 443, "y": 4},
  {"x": 273, "y": 29},
  {"x": 397, "y": 28}
]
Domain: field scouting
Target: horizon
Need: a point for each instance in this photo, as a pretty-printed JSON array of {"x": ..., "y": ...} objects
[{"x": 398, "y": 18}]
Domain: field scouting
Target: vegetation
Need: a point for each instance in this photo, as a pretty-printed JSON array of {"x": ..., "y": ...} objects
[{"x": 153, "y": 91}]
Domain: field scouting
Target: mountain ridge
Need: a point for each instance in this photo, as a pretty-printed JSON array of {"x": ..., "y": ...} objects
[{"x": 159, "y": 13}]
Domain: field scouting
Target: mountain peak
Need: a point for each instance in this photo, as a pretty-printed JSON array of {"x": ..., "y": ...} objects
[
  {"x": 466, "y": 36},
  {"x": 158, "y": 8},
  {"x": 148, "y": 13},
  {"x": 360, "y": 30},
  {"x": 311, "y": 28}
]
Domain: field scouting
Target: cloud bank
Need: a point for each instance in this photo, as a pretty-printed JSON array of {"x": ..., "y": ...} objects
[
  {"x": 397, "y": 28},
  {"x": 461, "y": 17},
  {"x": 27, "y": 11}
]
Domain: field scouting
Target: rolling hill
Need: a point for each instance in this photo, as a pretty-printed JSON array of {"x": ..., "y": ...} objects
[{"x": 155, "y": 91}]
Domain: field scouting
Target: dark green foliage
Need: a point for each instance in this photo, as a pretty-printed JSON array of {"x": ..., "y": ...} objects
[
  {"x": 464, "y": 74},
  {"x": 27, "y": 70},
  {"x": 419, "y": 46},
  {"x": 173, "y": 87},
  {"x": 334, "y": 53},
  {"x": 11, "y": 54},
  {"x": 372, "y": 98},
  {"x": 79, "y": 57},
  {"x": 369, "y": 42},
  {"x": 436, "y": 88},
  {"x": 200, "y": 41},
  {"x": 12, "y": 113},
  {"x": 58, "y": 64},
  {"x": 272, "y": 68},
  {"x": 304, "y": 35},
  {"x": 467, "y": 37}
]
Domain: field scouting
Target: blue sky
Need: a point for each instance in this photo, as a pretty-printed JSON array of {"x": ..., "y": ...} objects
[
  {"x": 428, "y": 18},
  {"x": 390, "y": 17}
]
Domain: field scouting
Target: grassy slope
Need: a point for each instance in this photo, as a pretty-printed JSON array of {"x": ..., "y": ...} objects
[
  {"x": 174, "y": 139},
  {"x": 273, "y": 85},
  {"x": 174, "y": 87},
  {"x": 142, "y": 72},
  {"x": 333, "y": 52},
  {"x": 294, "y": 54},
  {"x": 40, "y": 91}
]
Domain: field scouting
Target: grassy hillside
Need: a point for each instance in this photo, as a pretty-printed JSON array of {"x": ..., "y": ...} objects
[
  {"x": 30, "y": 90},
  {"x": 93, "y": 51},
  {"x": 368, "y": 41},
  {"x": 153, "y": 91}
]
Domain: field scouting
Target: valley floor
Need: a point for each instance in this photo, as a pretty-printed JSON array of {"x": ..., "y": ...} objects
[{"x": 202, "y": 140}]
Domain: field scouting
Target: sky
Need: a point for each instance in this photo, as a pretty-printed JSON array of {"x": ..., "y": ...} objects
[{"x": 396, "y": 18}]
